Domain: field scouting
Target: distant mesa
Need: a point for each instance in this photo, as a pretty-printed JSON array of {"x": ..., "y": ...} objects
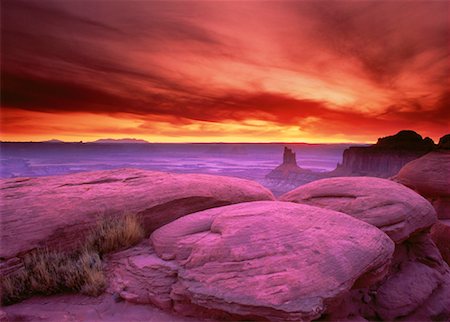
[
  {"x": 53, "y": 141},
  {"x": 108, "y": 141},
  {"x": 288, "y": 166},
  {"x": 406, "y": 139},
  {"x": 385, "y": 158},
  {"x": 289, "y": 174},
  {"x": 444, "y": 142}
]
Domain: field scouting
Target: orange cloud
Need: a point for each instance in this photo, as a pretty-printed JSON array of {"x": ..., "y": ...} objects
[{"x": 228, "y": 71}]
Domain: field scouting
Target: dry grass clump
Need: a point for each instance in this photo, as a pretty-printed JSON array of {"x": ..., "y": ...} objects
[
  {"x": 115, "y": 233},
  {"x": 48, "y": 272}
]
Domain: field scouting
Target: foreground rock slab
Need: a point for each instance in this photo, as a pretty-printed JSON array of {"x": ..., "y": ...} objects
[
  {"x": 71, "y": 308},
  {"x": 418, "y": 283},
  {"x": 393, "y": 208},
  {"x": 430, "y": 177},
  {"x": 58, "y": 211},
  {"x": 267, "y": 260}
]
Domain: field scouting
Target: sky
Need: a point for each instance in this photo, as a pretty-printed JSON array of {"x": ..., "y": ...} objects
[{"x": 224, "y": 71}]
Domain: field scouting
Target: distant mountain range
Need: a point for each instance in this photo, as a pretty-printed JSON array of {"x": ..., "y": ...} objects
[
  {"x": 121, "y": 141},
  {"x": 104, "y": 141},
  {"x": 53, "y": 141}
]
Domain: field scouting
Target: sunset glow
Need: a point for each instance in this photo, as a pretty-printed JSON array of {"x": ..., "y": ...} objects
[{"x": 207, "y": 71}]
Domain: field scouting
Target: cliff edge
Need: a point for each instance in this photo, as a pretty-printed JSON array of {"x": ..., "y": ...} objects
[{"x": 386, "y": 157}]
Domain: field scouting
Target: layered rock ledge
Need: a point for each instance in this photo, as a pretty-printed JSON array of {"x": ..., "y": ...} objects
[
  {"x": 393, "y": 208},
  {"x": 418, "y": 283},
  {"x": 255, "y": 260},
  {"x": 58, "y": 211}
]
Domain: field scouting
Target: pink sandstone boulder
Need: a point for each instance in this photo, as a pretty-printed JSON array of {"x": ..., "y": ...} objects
[
  {"x": 57, "y": 211},
  {"x": 418, "y": 282},
  {"x": 430, "y": 177},
  {"x": 259, "y": 260},
  {"x": 393, "y": 208},
  {"x": 139, "y": 276}
]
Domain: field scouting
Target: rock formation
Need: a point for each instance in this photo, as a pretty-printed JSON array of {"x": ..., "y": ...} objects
[
  {"x": 386, "y": 157},
  {"x": 337, "y": 249},
  {"x": 72, "y": 308},
  {"x": 418, "y": 283},
  {"x": 399, "y": 213},
  {"x": 288, "y": 167},
  {"x": 289, "y": 175},
  {"x": 430, "y": 177},
  {"x": 256, "y": 260},
  {"x": 57, "y": 211},
  {"x": 444, "y": 142}
]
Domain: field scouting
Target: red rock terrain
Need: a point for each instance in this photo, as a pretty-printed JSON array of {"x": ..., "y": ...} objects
[
  {"x": 256, "y": 260},
  {"x": 386, "y": 157},
  {"x": 335, "y": 249},
  {"x": 418, "y": 283},
  {"x": 430, "y": 177},
  {"x": 57, "y": 211}
]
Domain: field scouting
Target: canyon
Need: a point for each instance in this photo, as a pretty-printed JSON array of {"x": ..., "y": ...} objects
[{"x": 220, "y": 248}]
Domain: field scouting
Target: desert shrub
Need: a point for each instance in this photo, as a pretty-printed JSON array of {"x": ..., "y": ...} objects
[
  {"x": 115, "y": 233},
  {"x": 48, "y": 272}
]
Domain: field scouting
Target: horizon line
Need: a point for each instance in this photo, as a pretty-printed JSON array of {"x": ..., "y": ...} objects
[{"x": 209, "y": 142}]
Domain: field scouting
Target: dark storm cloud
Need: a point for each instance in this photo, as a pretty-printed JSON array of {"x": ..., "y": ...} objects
[
  {"x": 384, "y": 37},
  {"x": 43, "y": 45},
  {"x": 113, "y": 57}
]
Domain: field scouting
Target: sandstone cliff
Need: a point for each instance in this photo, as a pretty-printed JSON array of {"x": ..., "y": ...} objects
[{"x": 386, "y": 157}]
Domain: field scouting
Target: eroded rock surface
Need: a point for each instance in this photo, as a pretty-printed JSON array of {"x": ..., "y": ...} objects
[
  {"x": 430, "y": 177},
  {"x": 74, "y": 308},
  {"x": 417, "y": 285},
  {"x": 393, "y": 208},
  {"x": 386, "y": 157},
  {"x": 139, "y": 276},
  {"x": 440, "y": 233},
  {"x": 57, "y": 211},
  {"x": 265, "y": 260}
]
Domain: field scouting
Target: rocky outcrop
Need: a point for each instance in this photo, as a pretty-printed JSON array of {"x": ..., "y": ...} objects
[
  {"x": 440, "y": 234},
  {"x": 139, "y": 276},
  {"x": 386, "y": 157},
  {"x": 289, "y": 175},
  {"x": 418, "y": 283},
  {"x": 58, "y": 211},
  {"x": 430, "y": 176},
  {"x": 257, "y": 260},
  {"x": 398, "y": 211},
  {"x": 444, "y": 142},
  {"x": 71, "y": 308},
  {"x": 288, "y": 168}
]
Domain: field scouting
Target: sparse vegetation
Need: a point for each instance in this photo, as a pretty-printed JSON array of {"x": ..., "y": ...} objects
[
  {"x": 48, "y": 272},
  {"x": 116, "y": 233}
]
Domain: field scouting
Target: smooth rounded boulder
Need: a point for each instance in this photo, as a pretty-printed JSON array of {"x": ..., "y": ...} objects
[
  {"x": 269, "y": 260},
  {"x": 395, "y": 209},
  {"x": 58, "y": 211},
  {"x": 418, "y": 278},
  {"x": 430, "y": 177}
]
